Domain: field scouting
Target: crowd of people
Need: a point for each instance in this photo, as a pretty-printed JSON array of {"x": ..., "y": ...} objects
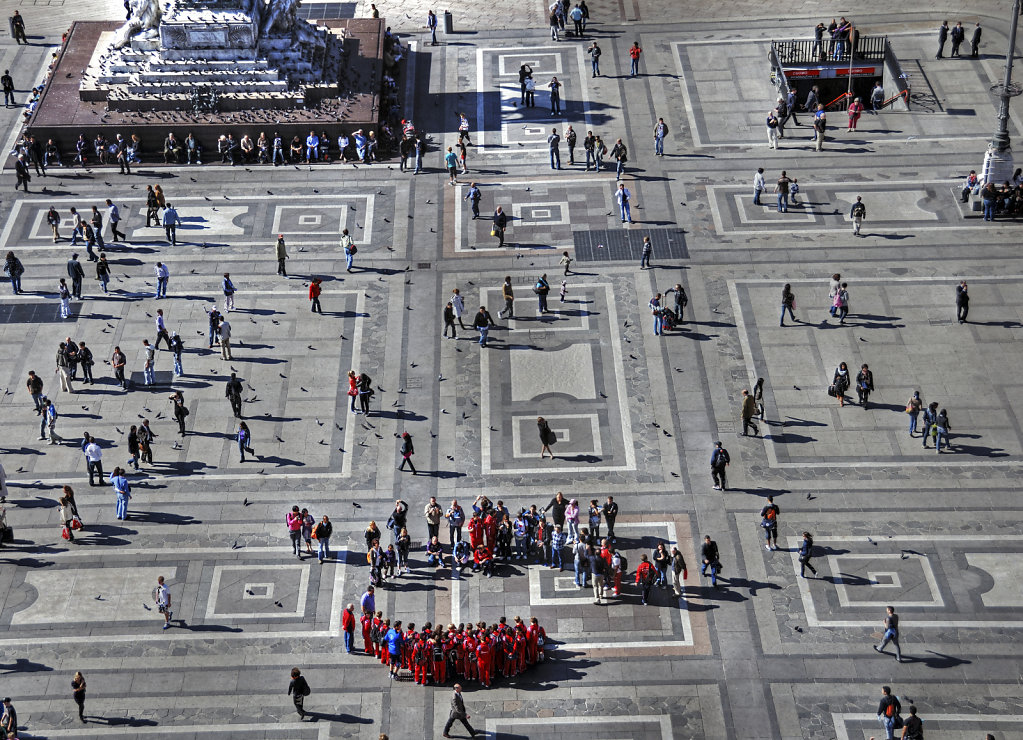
[{"x": 437, "y": 655}]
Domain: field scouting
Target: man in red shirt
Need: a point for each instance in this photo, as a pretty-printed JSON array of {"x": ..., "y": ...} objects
[
  {"x": 634, "y": 52},
  {"x": 645, "y": 577}
]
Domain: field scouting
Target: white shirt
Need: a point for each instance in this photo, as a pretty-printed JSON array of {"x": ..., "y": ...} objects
[
  {"x": 162, "y": 595},
  {"x": 113, "y": 215},
  {"x": 225, "y": 330},
  {"x": 162, "y": 271},
  {"x": 93, "y": 453},
  {"x": 623, "y": 196},
  {"x": 758, "y": 182},
  {"x": 458, "y": 304},
  {"x": 160, "y": 326}
]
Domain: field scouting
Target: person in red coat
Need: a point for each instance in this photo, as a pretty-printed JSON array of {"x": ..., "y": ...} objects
[
  {"x": 367, "y": 634},
  {"x": 348, "y": 625},
  {"x": 314, "y": 294},
  {"x": 475, "y": 527},
  {"x": 483, "y": 657},
  {"x": 420, "y": 661}
]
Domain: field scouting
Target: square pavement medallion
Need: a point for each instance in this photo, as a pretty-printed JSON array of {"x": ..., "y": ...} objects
[
  {"x": 572, "y": 375},
  {"x": 258, "y": 591}
]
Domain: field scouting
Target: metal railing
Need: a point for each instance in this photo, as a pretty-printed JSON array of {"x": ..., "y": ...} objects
[{"x": 810, "y": 51}]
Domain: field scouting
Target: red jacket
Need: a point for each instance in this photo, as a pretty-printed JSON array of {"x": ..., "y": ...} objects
[
  {"x": 642, "y": 570},
  {"x": 314, "y": 290},
  {"x": 347, "y": 621}
]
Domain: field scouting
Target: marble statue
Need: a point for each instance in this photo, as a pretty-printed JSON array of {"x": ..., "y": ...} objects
[{"x": 144, "y": 20}]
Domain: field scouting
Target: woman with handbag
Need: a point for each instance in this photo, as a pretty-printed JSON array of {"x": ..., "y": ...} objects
[
  {"x": 67, "y": 516},
  {"x": 244, "y": 441},
  {"x": 353, "y": 390},
  {"x": 913, "y": 407},
  {"x": 546, "y": 436},
  {"x": 840, "y": 382}
]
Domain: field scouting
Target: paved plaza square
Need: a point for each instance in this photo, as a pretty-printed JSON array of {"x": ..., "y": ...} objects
[{"x": 765, "y": 654}]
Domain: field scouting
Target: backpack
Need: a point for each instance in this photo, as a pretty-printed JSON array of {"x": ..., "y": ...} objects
[
  {"x": 889, "y": 711},
  {"x": 624, "y": 565},
  {"x": 650, "y": 576},
  {"x": 352, "y": 249}
]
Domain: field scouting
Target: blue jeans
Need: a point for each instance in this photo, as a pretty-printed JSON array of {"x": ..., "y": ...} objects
[
  {"x": 278, "y": 154},
  {"x": 942, "y": 435},
  {"x": 595, "y": 63},
  {"x": 419, "y": 164},
  {"x": 323, "y": 553},
  {"x": 483, "y": 330},
  {"x": 177, "y": 364},
  {"x": 520, "y": 546},
  {"x": 662, "y": 577},
  {"x": 626, "y": 212},
  {"x": 213, "y": 335},
  {"x": 16, "y": 284},
  {"x": 103, "y": 281},
  {"x": 556, "y": 557},
  {"x": 635, "y": 67},
  {"x": 590, "y": 159},
  {"x": 433, "y": 35},
  {"x": 573, "y": 530},
  {"x": 792, "y": 316},
  {"x": 147, "y": 373},
  {"x": 756, "y": 197},
  {"x": 555, "y": 159},
  {"x": 912, "y": 422},
  {"x": 348, "y": 261},
  {"x": 889, "y": 727},
  {"x": 432, "y": 559},
  {"x": 161, "y": 287},
  {"x": 348, "y": 640},
  {"x": 989, "y": 210},
  {"x": 783, "y": 202},
  {"x": 581, "y": 570},
  {"x": 713, "y": 572},
  {"x": 644, "y": 260},
  {"x": 37, "y": 399},
  {"x": 122, "y": 506},
  {"x": 658, "y": 322},
  {"x": 659, "y": 145},
  {"x": 455, "y": 533},
  {"x": 312, "y": 152},
  {"x": 620, "y": 169}
]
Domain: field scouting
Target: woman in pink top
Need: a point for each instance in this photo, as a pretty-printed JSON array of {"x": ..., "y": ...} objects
[
  {"x": 294, "y": 520},
  {"x": 572, "y": 519}
]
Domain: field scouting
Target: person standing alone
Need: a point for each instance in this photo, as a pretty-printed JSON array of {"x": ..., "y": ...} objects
[
  {"x": 634, "y": 54},
  {"x": 281, "y": 253},
  {"x": 857, "y": 213},
  {"x": 962, "y": 302}
]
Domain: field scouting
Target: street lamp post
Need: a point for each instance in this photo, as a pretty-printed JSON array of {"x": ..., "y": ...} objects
[{"x": 998, "y": 158}]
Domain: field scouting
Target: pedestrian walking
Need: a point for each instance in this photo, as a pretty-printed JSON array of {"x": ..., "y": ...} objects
[
  {"x": 78, "y": 693},
  {"x": 482, "y": 324},
  {"x": 407, "y": 451},
  {"x": 474, "y": 195},
  {"x": 170, "y": 224},
  {"x": 864, "y": 385},
  {"x": 67, "y": 517},
  {"x": 449, "y": 321},
  {"x": 162, "y": 278},
  {"x": 293, "y": 519},
  {"x": 451, "y": 162},
  {"x": 634, "y": 53},
  {"x": 962, "y": 302},
  {"x": 594, "y": 52},
  {"x": 314, "y": 295},
  {"x": 857, "y": 213},
  {"x": 711, "y": 560},
  {"x": 162, "y": 597},
  {"x": 747, "y": 411},
  {"x": 508, "y": 294},
  {"x": 855, "y": 111},
  {"x": 458, "y": 712},
  {"x": 7, "y": 83},
  {"x": 772, "y": 129},
  {"x": 913, "y": 407},
  {"x": 719, "y": 461},
  {"x": 820, "y": 126},
  {"x": 431, "y": 23},
  {"x": 233, "y": 392},
  {"x": 180, "y": 410},
  {"x": 97, "y": 226},
  {"x": 657, "y": 312},
  {"x": 114, "y": 217},
  {"x": 888, "y": 711},
  {"x": 646, "y": 251},
  {"x": 298, "y": 688},
  {"x": 94, "y": 461},
  {"x": 76, "y": 272},
  {"x": 769, "y": 523},
  {"x": 679, "y": 573},
  {"x": 788, "y": 303},
  {"x": 547, "y": 437},
  {"x": 759, "y": 185},
  {"x": 349, "y": 249},
  {"x": 225, "y": 340},
  {"x": 805, "y": 554},
  {"x": 21, "y": 172},
  {"x": 366, "y": 392},
  {"x": 610, "y": 512},
  {"x": 161, "y": 329},
  {"x": 782, "y": 190},
  {"x": 281, "y": 252},
  {"x": 463, "y": 129},
  {"x": 621, "y": 154},
  {"x": 117, "y": 361},
  {"x": 500, "y": 224},
  {"x": 975, "y": 41},
  {"x": 941, "y": 429},
  {"x": 624, "y": 197},
  {"x": 227, "y": 286},
  {"x": 840, "y": 383},
  {"x": 877, "y": 97},
  {"x": 660, "y": 132}
]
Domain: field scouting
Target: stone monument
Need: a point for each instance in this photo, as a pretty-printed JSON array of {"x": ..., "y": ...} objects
[{"x": 209, "y": 56}]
